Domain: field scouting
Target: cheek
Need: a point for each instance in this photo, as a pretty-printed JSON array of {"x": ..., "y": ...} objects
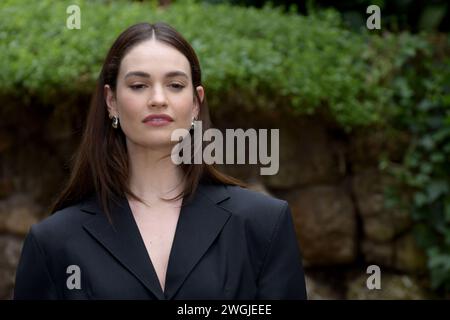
[
  {"x": 129, "y": 104},
  {"x": 183, "y": 104}
]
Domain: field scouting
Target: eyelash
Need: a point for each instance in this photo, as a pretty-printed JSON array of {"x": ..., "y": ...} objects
[
  {"x": 178, "y": 86},
  {"x": 137, "y": 87}
]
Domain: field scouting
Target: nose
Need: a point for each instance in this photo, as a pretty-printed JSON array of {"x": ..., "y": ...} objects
[{"x": 158, "y": 97}]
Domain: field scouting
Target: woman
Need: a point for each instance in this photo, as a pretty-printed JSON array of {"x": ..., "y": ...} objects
[{"x": 133, "y": 225}]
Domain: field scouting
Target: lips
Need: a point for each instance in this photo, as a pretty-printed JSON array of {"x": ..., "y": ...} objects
[{"x": 158, "y": 118}]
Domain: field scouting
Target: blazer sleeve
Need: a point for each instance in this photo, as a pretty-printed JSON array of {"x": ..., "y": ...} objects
[
  {"x": 282, "y": 275},
  {"x": 33, "y": 280}
]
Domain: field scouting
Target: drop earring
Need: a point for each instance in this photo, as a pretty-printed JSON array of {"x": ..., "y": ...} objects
[{"x": 115, "y": 122}]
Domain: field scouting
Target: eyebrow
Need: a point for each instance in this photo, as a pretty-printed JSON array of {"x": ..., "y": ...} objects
[{"x": 142, "y": 74}]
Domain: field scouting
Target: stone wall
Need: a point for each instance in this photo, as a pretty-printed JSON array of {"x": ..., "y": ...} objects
[
  {"x": 336, "y": 193},
  {"x": 330, "y": 179}
]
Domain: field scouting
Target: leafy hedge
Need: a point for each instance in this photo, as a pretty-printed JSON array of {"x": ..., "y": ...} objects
[{"x": 264, "y": 57}]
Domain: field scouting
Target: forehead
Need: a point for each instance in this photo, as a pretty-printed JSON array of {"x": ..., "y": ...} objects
[{"x": 154, "y": 57}]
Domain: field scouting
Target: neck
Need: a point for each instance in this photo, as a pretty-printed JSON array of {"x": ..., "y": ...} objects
[{"x": 152, "y": 175}]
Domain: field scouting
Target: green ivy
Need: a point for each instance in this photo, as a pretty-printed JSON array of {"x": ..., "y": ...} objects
[{"x": 424, "y": 173}]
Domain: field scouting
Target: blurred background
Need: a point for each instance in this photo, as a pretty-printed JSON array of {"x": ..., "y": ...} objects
[{"x": 364, "y": 119}]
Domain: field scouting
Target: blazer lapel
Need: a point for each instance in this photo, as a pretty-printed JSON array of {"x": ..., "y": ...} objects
[
  {"x": 124, "y": 242},
  {"x": 199, "y": 223}
]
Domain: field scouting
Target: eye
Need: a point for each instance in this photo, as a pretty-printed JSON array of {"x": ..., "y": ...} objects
[
  {"x": 138, "y": 86},
  {"x": 177, "y": 86}
]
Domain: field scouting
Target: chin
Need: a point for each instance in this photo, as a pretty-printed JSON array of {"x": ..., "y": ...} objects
[{"x": 159, "y": 142}]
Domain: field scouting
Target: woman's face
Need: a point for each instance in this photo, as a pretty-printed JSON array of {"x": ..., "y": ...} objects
[{"x": 154, "y": 78}]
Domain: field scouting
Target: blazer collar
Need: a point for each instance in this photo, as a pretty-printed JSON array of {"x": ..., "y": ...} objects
[{"x": 199, "y": 223}]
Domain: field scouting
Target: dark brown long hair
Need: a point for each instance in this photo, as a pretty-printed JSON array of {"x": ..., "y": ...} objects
[{"x": 100, "y": 165}]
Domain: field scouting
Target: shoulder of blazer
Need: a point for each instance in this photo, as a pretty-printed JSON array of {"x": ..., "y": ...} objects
[
  {"x": 254, "y": 204},
  {"x": 260, "y": 212},
  {"x": 61, "y": 225}
]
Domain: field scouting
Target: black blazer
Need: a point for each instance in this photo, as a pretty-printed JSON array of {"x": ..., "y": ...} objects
[{"x": 230, "y": 243}]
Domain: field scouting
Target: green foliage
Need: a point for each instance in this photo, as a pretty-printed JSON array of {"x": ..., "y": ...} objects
[
  {"x": 267, "y": 58},
  {"x": 424, "y": 111}
]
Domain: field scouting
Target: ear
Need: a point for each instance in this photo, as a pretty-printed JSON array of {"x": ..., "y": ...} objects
[
  {"x": 110, "y": 99},
  {"x": 201, "y": 94}
]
